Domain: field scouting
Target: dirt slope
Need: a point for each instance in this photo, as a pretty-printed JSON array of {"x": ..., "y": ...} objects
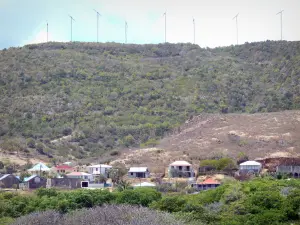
[{"x": 209, "y": 135}]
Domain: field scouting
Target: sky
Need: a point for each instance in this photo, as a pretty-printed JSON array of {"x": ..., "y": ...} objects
[{"x": 25, "y": 21}]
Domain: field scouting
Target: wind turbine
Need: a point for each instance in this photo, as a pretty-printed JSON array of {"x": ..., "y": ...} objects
[
  {"x": 72, "y": 19},
  {"x": 237, "y": 31},
  {"x": 280, "y": 20},
  {"x": 47, "y": 31},
  {"x": 165, "y": 15},
  {"x": 126, "y": 27},
  {"x": 194, "y": 29},
  {"x": 98, "y": 14}
]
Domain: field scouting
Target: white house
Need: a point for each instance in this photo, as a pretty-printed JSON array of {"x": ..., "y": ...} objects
[
  {"x": 81, "y": 175},
  {"x": 180, "y": 169},
  {"x": 250, "y": 166},
  {"x": 138, "y": 172},
  {"x": 99, "y": 169}
]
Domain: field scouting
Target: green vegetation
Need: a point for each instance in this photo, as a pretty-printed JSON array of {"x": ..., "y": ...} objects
[
  {"x": 261, "y": 201},
  {"x": 219, "y": 164},
  {"x": 110, "y": 96}
]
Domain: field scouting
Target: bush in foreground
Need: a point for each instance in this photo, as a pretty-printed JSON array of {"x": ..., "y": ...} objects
[{"x": 105, "y": 215}]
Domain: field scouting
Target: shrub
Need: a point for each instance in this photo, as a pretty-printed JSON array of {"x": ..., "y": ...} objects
[
  {"x": 138, "y": 196},
  {"x": 106, "y": 215}
]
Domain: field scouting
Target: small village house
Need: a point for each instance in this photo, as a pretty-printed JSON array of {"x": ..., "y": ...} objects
[
  {"x": 250, "y": 167},
  {"x": 138, "y": 172},
  {"x": 292, "y": 171},
  {"x": 180, "y": 169},
  {"x": 99, "y": 169},
  {"x": 81, "y": 175},
  {"x": 33, "y": 182},
  {"x": 207, "y": 184},
  {"x": 64, "y": 183},
  {"x": 62, "y": 169},
  {"x": 40, "y": 169},
  {"x": 9, "y": 181}
]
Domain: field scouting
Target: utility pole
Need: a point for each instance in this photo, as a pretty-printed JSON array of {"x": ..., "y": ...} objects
[
  {"x": 71, "y": 26},
  {"x": 280, "y": 21},
  {"x": 237, "y": 31},
  {"x": 194, "y": 29},
  {"x": 98, "y": 14},
  {"x": 165, "y": 14}
]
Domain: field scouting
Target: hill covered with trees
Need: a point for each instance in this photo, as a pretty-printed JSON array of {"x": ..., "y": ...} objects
[{"x": 84, "y": 99}]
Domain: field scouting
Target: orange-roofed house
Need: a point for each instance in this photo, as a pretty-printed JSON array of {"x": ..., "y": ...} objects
[{"x": 207, "y": 184}]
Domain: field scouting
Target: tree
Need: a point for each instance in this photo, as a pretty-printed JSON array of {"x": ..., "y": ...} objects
[
  {"x": 101, "y": 179},
  {"x": 1, "y": 165},
  {"x": 30, "y": 143}
]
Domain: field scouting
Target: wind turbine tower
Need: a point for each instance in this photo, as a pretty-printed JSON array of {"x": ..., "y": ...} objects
[
  {"x": 194, "y": 29},
  {"x": 165, "y": 15},
  {"x": 47, "y": 31},
  {"x": 237, "y": 31},
  {"x": 280, "y": 21},
  {"x": 72, "y": 19},
  {"x": 126, "y": 27},
  {"x": 98, "y": 14}
]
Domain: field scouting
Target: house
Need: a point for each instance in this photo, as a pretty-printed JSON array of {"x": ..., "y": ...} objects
[
  {"x": 9, "y": 181},
  {"x": 207, "y": 184},
  {"x": 64, "y": 183},
  {"x": 138, "y": 172},
  {"x": 99, "y": 169},
  {"x": 250, "y": 167},
  {"x": 180, "y": 169},
  {"x": 293, "y": 171},
  {"x": 81, "y": 175},
  {"x": 33, "y": 182},
  {"x": 39, "y": 168},
  {"x": 62, "y": 169}
]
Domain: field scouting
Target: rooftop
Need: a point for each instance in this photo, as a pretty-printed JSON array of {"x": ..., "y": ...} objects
[
  {"x": 250, "y": 163},
  {"x": 100, "y": 165},
  {"x": 209, "y": 181},
  {"x": 3, "y": 176},
  {"x": 63, "y": 167},
  {"x": 180, "y": 163},
  {"x": 138, "y": 169},
  {"x": 39, "y": 167},
  {"x": 78, "y": 174}
]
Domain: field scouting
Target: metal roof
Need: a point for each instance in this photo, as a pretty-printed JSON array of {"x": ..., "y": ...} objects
[
  {"x": 100, "y": 165},
  {"x": 250, "y": 163},
  {"x": 3, "y": 176},
  {"x": 30, "y": 178},
  {"x": 138, "y": 169},
  {"x": 180, "y": 163},
  {"x": 78, "y": 174},
  {"x": 39, "y": 167}
]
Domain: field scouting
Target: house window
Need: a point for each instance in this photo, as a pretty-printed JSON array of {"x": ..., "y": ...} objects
[
  {"x": 96, "y": 169},
  {"x": 131, "y": 174},
  {"x": 180, "y": 167}
]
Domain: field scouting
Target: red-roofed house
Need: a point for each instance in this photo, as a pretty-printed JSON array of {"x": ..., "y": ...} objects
[
  {"x": 63, "y": 169},
  {"x": 207, "y": 184}
]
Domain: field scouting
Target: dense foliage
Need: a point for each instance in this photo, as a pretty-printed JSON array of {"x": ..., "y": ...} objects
[
  {"x": 112, "y": 95},
  {"x": 106, "y": 215},
  {"x": 262, "y": 201}
]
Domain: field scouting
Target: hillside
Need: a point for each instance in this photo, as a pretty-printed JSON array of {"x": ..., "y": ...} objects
[
  {"x": 215, "y": 135},
  {"x": 84, "y": 99}
]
